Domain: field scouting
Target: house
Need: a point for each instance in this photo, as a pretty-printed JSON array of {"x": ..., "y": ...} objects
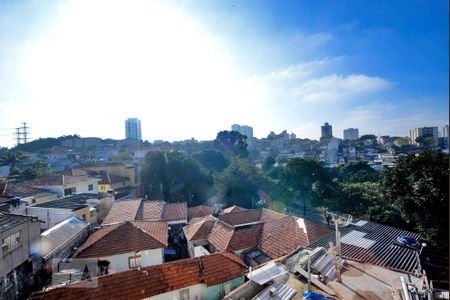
[
  {"x": 112, "y": 182},
  {"x": 20, "y": 254},
  {"x": 208, "y": 277},
  {"x": 90, "y": 208},
  {"x": 175, "y": 214},
  {"x": 13, "y": 195},
  {"x": 65, "y": 185},
  {"x": 116, "y": 168},
  {"x": 256, "y": 235},
  {"x": 60, "y": 240},
  {"x": 126, "y": 245}
]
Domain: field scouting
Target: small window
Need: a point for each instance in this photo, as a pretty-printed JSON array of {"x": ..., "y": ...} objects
[
  {"x": 134, "y": 261},
  {"x": 90, "y": 187},
  {"x": 69, "y": 191},
  {"x": 11, "y": 242},
  {"x": 184, "y": 294},
  {"x": 83, "y": 217}
]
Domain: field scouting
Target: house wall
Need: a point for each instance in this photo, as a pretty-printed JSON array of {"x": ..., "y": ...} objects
[
  {"x": 119, "y": 170},
  {"x": 103, "y": 188},
  {"x": 30, "y": 242},
  {"x": 202, "y": 291},
  {"x": 119, "y": 262},
  {"x": 49, "y": 216},
  {"x": 195, "y": 293},
  {"x": 81, "y": 187},
  {"x": 85, "y": 215},
  {"x": 191, "y": 245},
  {"x": 105, "y": 206}
]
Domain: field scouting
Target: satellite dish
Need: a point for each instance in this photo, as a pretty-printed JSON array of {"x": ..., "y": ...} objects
[{"x": 342, "y": 220}]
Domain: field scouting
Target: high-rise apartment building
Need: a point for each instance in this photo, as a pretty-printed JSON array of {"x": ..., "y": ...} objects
[
  {"x": 133, "y": 129},
  {"x": 418, "y": 132},
  {"x": 351, "y": 134},
  {"x": 244, "y": 130},
  {"x": 445, "y": 131},
  {"x": 327, "y": 130}
]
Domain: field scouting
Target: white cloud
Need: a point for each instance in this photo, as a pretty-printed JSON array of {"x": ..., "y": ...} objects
[{"x": 335, "y": 87}]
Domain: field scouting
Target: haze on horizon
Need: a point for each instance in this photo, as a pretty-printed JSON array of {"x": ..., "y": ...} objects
[{"x": 193, "y": 68}]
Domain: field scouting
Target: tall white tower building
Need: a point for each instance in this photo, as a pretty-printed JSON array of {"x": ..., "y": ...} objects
[{"x": 133, "y": 129}]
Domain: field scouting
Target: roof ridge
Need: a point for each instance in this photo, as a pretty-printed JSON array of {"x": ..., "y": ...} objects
[
  {"x": 148, "y": 233},
  {"x": 117, "y": 225}
]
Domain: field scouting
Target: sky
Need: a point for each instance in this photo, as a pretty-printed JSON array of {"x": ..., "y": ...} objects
[{"x": 193, "y": 68}]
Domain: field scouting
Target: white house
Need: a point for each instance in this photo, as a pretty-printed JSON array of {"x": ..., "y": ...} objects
[{"x": 126, "y": 245}]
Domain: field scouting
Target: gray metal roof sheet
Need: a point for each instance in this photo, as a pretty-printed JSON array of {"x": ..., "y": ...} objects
[
  {"x": 282, "y": 292},
  {"x": 374, "y": 243}
]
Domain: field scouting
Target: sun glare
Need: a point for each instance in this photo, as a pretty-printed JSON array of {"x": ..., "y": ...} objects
[{"x": 147, "y": 57}]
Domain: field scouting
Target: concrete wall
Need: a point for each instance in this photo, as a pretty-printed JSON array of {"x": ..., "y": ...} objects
[
  {"x": 192, "y": 244},
  {"x": 195, "y": 293},
  {"x": 119, "y": 262},
  {"x": 81, "y": 187},
  {"x": 49, "y": 216},
  {"x": 30, "y": 243}
]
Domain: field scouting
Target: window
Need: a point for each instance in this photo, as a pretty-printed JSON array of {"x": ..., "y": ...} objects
[
  {"x": 184, "y": 294},
  {"x": 83, "y": 216},
  {"x": 134, "y": 261},
  {"x": 90, "y": 187},
  {"x": 69, "y": 191},
  {"x": 11, "y": 242}
]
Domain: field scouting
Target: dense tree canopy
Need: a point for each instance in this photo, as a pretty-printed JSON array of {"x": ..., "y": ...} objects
[
  {"x": 231, "y": 144},
  {"x": 44, "y": 143},
  {"x": 211, "y": 160},
  {"x": 357, "y": 172},
  {"x": 13, "y": 159},
  {"x": 419, "y": 188}
]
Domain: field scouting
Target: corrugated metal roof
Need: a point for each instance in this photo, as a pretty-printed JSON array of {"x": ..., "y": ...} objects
[
  {"x": 281, "y": 292},
  {"x": 266, "y": 273},
  {"x": 374, "y": 243}
]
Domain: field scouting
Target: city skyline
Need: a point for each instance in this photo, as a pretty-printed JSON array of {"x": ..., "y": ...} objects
[{"x": 194, "y": 68}]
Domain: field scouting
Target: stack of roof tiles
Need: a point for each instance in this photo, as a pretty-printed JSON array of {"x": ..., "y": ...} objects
[
  {"x": 273, "y": 233},
  {"x": 125, "y": 237},
  {"x": 154, "y": 280},
  {"x": 146, "y": 210}
]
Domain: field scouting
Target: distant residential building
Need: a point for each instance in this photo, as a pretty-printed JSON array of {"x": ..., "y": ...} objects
[
  {"x": 422, "y": 131},
  {"x": 20, "y": 254},
  {"x": 332, "y": 150},
  {"x": 244, "y": 130},
  {"x": 65, "y": 185},
  {"x": 327, "y": 130},
  {"x": 133, "y": 129},
  {"x": 79, "y": 143},
  {"x": 115, "y": 168},
  {"x": 292, "y": 136},
  {"x": 351, "y": 134},
  {"x": 445, "y": 131},
  {"x": 384, "y": 139}
]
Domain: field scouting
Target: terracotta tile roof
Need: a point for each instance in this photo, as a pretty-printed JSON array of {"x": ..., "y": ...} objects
[
  {"x": 199, "y": 228},
  {"x": 74, "y": 172},
  {"x": 153, "y": 280},
  {"x": 175, "y": 211},
  {"x": 234, "y": 208},
  {"x": 200, "y": 211},
  {"x": 152, "y": 210},
  {"x": 221, "y": 235},
  {"x": 123, "y": 210},
  {"x": 241, "y": 217},
  {"x": 269, "y": 215},
  {"x": 244, "y": 237},
  {"x": 123, "y": 238},
  {"x": 145, "y": 210},
  {"x": 282, "y": 236}
]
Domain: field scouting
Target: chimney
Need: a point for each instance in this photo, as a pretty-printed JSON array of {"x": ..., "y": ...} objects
[{"x": 273, "y": 292}]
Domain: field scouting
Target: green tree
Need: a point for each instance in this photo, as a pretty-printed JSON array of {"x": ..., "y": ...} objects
[
  {"x": 155, "y": 181},
  {"x": 358, "y": 172},
  {"x": 418, "y": 188},
  {"x": 38, "y": 168},
  {"x": 211, "y": 160},
  {"x": 308, "y": 179},
  {"x": 269, "y": 163},
  {"x": 238, "y": 183},
  {"x": 231, "y": 144},
  {"x": 426, "y": 141},
  {"x": 13, "y": 159}
]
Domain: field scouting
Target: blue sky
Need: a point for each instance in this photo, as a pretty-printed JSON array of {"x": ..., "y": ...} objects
[{"x": 193, "y": 68}]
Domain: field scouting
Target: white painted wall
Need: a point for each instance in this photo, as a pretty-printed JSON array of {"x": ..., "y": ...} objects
[
  {"x": 195, "y": 293},
  {"x": 81, "y": 187},
  {"x": 49, "y": 216},
  {"x": 119, "y": 262}
]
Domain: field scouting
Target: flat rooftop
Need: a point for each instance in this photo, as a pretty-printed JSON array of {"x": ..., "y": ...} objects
[{"x": 73, "y": 202}]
